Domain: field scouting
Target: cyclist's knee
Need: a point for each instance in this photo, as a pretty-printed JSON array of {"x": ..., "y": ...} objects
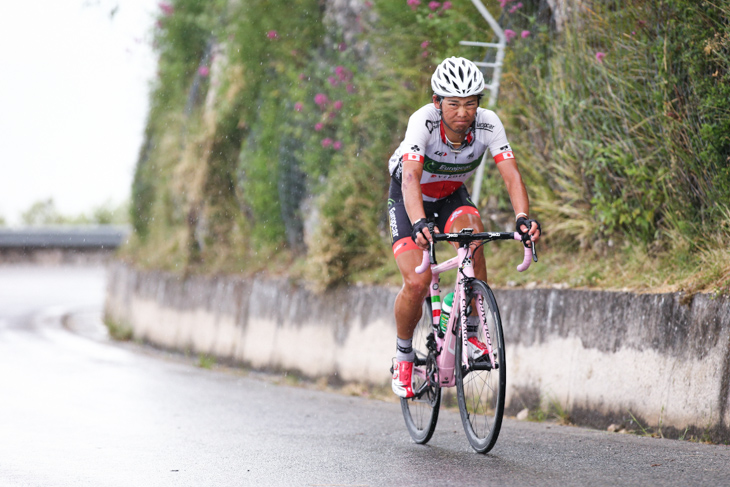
[{"x": 417, "y": 284}]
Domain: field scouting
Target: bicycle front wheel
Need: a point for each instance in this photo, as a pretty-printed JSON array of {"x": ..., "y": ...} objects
[
  {"x": 480, "y": 388},
  {"x": 422, "y": 411}
]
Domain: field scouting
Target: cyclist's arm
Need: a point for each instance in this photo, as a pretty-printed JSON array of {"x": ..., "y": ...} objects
[
  {"x": 413, "y": 198},
  {"x": 517, "y": 191}
]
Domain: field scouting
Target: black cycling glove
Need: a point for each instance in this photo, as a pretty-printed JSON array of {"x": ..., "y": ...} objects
[
  {"x": 418, "y": 227},
  {"x": 528, "y": 224}
]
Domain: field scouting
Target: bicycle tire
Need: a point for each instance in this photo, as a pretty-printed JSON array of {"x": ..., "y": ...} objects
[
  {"x": 481, "y": 393},
  {"x": 421, "y": 413}
]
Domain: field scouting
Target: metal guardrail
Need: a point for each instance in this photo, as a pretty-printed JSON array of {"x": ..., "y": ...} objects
[{"x": 64, "y": 237}]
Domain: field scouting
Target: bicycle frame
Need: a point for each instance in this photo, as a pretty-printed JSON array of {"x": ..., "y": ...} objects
[{"x": 446, "y": 344}]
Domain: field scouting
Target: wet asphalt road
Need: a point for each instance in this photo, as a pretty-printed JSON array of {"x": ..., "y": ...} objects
[{"x": 77, "y": 410}]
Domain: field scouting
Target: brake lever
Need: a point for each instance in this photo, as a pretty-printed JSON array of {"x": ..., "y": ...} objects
[
  {"x": 525, "y": 241},
  {"x": 432, "y": 247}
]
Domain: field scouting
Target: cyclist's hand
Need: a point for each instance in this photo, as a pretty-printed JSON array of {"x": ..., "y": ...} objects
[
  {"x": 529, "y": 227},
  {"x": 421, "y": 235}
]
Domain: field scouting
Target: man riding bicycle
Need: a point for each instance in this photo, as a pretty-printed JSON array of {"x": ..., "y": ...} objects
[{"x": 443, "y": 146}]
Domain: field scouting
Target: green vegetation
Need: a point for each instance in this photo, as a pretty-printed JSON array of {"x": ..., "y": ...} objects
[
  {"x": 206, "y": 361},
  {"x": 44, "y": 212},
  {"x": 268, "y": 137},
  {"x": 119, "y": 331}
]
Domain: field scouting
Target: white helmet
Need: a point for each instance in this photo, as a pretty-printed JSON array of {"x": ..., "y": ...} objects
[{"x": 457, "y": 76}]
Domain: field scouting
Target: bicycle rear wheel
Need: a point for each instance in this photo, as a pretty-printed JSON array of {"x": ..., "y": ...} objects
[
  {"x": 422, "y": 411},
  {"x": 480, "y": 389}
]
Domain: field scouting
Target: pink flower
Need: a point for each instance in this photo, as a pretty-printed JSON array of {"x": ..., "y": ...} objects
[
  {"x": 525, "y": 34},
  {"x": 318, "y": 126},
  {"x": 332, "y": 115},
  {"x": 424, "y": 54},
  {"x": 343, "y": 74},
  {"x": 342, "y": 47},
  {"x": 337, "y": 145},
  {"x": 326, "y": 142},
  {"x": 430, "y": 16},
  {"x": 434, "y": 5},
  {"x": 298, "y": 106},
  {"x": 320, "y": 99},
  {"x": 633, "y": 32},
  {"x": 424, "y": 44},
  {"x": 272, "y": 34},
  {"x": 333, "y": 81},
  {"x": 350, "y": 88},
  {"x": 515, "y": 8},
  {"x": 446, "y": 5},
  {"x": 337, "y": 105},
  {"x": 203, "y": 71},
  {"x": 166, "y": 8},
  {"x": 600, "y": 56},
  {"x": 503, "y": 3},
  {"x": 414, "y": 4},
  {"x": 509, "y": 34}
]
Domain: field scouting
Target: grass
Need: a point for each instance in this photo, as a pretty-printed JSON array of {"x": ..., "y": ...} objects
[
  {"x": 553, "y": 411},
  {"x": 206, "y": 361},
  {"x": 118, "y": 331}
]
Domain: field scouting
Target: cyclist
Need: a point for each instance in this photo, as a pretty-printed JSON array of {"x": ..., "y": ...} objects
[{"x": 443, "y": 146}]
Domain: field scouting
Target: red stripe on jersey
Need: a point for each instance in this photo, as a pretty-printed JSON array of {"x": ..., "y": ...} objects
[
  {"x": 440, "y": 189},
  {"x": 503, "y": 156},
  {"x": 410, "y": 156}
]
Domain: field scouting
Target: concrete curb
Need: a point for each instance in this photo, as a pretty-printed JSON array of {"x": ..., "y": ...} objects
[{"x": 600, "y": 356}]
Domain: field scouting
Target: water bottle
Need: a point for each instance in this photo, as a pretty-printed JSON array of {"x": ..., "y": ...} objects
[{"x": 446, "y": 311}]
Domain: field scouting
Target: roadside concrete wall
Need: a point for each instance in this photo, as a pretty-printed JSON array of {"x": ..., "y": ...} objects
[{"x": 601, "y": 356}]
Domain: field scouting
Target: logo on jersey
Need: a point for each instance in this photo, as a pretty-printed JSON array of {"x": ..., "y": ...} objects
[
  {"x": 454, "y": 215},
  {"x": 431, "y": 124},
  {"x": 415, "y": 148},
  {"x": 485, "y": 126},
  {"x": 393, "y": 224},
  {"x": 441, "y": 154},
  {"x": 470, "y": 155},
  {"x": 504, "y": 148},
  {"x": 438, "y": 167}
]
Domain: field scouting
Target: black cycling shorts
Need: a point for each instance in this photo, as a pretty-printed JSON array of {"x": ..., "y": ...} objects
[{"x": 444, "y": 211}]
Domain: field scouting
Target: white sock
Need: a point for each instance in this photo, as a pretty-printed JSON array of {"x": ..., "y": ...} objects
[{"x": 404, "y": 350}]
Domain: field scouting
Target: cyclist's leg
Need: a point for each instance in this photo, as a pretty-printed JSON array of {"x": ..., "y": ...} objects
[
  {"x": 408, "y": 302},
  {"x": 457, "y": 213}
]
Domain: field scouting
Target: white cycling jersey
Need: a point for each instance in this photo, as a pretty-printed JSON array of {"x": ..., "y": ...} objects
[{"x": 446, "y": 169}]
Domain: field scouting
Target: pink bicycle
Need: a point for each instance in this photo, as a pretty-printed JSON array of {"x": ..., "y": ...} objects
[{"x": 442, "y": 359}]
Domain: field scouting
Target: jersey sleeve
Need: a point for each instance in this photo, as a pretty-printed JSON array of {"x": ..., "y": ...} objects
[
  {"x": 413, "y": 146},
  {"x": 498, "y": 145}
]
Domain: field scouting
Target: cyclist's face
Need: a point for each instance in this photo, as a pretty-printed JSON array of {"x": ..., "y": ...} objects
[{"x": 458, "y": 113}]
